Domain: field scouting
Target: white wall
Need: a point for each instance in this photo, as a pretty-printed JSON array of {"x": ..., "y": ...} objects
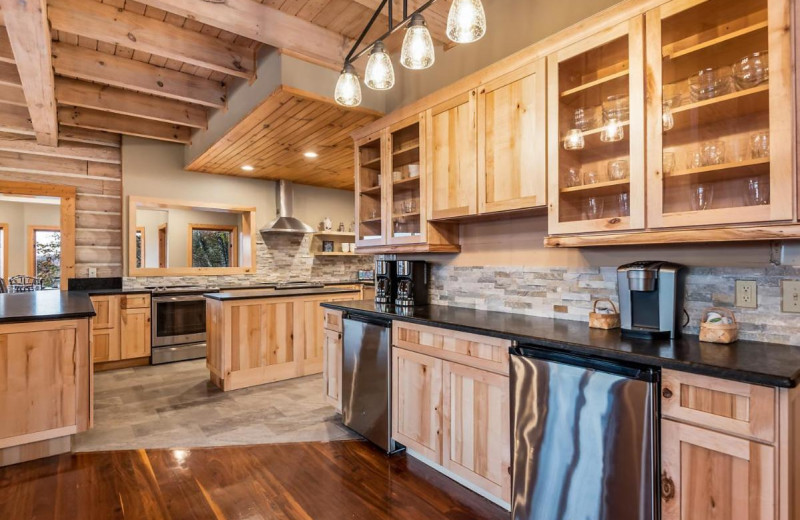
[{"x": 19, "y": 216}]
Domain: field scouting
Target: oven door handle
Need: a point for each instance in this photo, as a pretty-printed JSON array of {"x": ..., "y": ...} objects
[{"x": 190, "y": 298}]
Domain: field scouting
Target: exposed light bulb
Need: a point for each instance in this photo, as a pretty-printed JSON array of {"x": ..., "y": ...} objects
[
  {"x": 417, "y": 52},
  {"x": 466, "y": 21},
  {"x": 380, "y": 73},
  {"x": 348, "y": 89}
]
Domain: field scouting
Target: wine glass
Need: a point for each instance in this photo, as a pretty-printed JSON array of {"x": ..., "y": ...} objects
[
  {"x": 593, "y": 208},
  {"x": 702, "y": 197},
  {"x": 756, "y": 191}
]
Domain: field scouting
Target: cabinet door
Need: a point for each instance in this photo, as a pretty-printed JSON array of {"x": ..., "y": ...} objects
[
  {"x": 135, "y": 333},
  {"x": 720, "y": 149},
  {"x": 332, "y": 368},
  {"x": 417, "y": 403},
  {"x": 405, "y": 187},
  {"x": 370, "y": 207},
  {"x": 105, "y": 345},
  {"x": 512, "y": 126},
  {"x": 596, "y": 159},
  {"x": 106, "y": 310},
  {"x": 477, "y": 428},
  {"x": 452, "y": 158},
  {"x": 707, "y": 475}
]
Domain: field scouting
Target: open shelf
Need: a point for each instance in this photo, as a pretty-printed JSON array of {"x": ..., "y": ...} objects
[
  {"x": 597, "y": 131},
  {"x": 595, "y": 83},
  {"x": 375, "y": 220},
  {"x": 723, "y": 171},
  {"x": 752, "y": 100},
  {"x": 372, "y": 163},
  {"x": 333, "y": 234},
  {"x": 334, "y": 253},
  {"x": 409, "y": 183},
  {"x": 406, "y": 215},
  {"x": 716, "y": 35},
  {"x": 600, "y": 188},
  {"x": 375, "y": 190}
]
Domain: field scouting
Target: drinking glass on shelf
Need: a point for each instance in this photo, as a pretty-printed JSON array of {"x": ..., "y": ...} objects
[
  {"x": 710, "y": 83},
  {"x": 756, "y": 191},
  {"x": 668, "y": 162},
  {"x": 738, "y": 149},
  {"x": 616, "y": 107},
  {"x": 751, "y": 71},
  {"x": 574, "y": 140},
  {"x": 759, "y": 145},
  {"x": 591, "y": 177},
  {"x": 593, "y": 208},
  {"x": 613, "y": 131},
  {"x": 713, "y": 152},
  {"x": 373, "y": 214},
  {"x": 573, "y": 177},
  {"x": 618, "y": 169},
  {"x": 408, "y": 206},
  {"x": 694, "y": 159},
  {"x": 624, "y": 201},
  {"x": 667, "y": 119},
  {"x": 702, "y": 196},
  {"x": 583, "y": 118}
]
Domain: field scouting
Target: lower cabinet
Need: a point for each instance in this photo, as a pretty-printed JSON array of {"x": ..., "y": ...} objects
[
  {"x": 120, "y": 330},
  {"x": 332, "y": 368},
  {"x": 135, "y": 336},
  {"x": 417, "y": 403}
]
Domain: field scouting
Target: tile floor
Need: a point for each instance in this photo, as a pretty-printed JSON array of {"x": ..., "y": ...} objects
[{"x": 175, "y": 406}]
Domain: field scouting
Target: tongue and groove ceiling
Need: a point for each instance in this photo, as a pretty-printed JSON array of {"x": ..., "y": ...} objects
[{"x": 88, "y": 71}]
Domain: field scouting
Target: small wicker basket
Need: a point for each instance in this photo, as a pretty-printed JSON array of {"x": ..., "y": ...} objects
[
  {"x": 598, "y": 320},
  {"x": 719, "y": 332}
]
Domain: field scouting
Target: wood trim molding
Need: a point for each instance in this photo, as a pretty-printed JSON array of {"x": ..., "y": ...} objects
[
  {"x": 234, "y": 231},
  {"x": 677, "y": 236}
]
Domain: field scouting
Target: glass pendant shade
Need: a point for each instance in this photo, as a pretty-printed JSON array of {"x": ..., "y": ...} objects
[
  {"x": 348, "y": 90},
  {"x": 380, "y": 73},
  {"x": 417, "y": 52},
  {"x": 466, "y": 21}
]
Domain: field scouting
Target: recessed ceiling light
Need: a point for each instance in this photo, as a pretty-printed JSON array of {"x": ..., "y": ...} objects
[
  {"x": 247, "y": 168},
  {"x": 311, "y": 155}
]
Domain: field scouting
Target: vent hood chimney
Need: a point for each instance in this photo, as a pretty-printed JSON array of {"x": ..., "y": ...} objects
[{"x": 285, "y": 222}]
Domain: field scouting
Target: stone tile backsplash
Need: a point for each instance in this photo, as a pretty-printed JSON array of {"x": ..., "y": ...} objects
[
  {"x": 567, "y": 293},
  {"x": 282, "y": 258}
]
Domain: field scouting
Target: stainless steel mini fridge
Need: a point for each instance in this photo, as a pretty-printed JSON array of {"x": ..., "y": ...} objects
[{"x": 584, "y": 437}]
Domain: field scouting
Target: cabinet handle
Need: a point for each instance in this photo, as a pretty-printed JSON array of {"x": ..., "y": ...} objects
[
  {"x": 667, "y": 488},
  {"x": 666, "y": 393}
]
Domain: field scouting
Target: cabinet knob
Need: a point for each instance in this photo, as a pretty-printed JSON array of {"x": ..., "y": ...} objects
[
  {"x": 667, "y": 488},
  {"x": 666, "y": 393}
]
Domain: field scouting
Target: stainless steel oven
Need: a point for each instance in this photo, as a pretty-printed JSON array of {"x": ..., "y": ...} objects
[{"x": 179, "y": 325}]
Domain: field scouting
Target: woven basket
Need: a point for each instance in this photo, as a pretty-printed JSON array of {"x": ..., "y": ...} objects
[
  {"x": 719, "y": 332},
  {"x": 604, "y": 321}
]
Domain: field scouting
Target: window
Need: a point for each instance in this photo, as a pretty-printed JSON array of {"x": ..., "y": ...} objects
[
  {"x": 44, "y": 255},
  {"x": 213, "y": 245},
  {"x": 140, "y": 246}
]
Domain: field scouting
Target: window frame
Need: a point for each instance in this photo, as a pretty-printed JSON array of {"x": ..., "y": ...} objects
[
  {"x": 234, "y": 245},
  {"x": 32, "y": 229}
]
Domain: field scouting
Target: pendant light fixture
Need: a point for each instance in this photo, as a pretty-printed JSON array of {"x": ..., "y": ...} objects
[
  {"x": 348, "y": 90},
  {"x": 380, "y": 73},
  {"x": 417, "y": 52},
  {"x": 466, "y": 21}
]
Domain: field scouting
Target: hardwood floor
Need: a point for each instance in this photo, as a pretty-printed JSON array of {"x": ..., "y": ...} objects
[{"x": 318, "y": 481}]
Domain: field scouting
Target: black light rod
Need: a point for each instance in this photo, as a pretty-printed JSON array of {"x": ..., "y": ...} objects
[{"x": 349, "y": 58}]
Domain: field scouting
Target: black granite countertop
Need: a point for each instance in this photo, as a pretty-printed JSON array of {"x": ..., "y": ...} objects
[
  {"x": 253, "y": 294},
  {"x": 241, "y": 287},
  {"x": 747, "y": 361},
  {"x": 112, "y": 292},
  {"x": 45, "y": 306}
]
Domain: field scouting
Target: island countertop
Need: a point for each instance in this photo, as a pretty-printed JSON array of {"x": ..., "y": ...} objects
[
  {"x": 44, "y": 306},
  {"x": 747, "y": 361},
  {"x": 253, "y": 294}
]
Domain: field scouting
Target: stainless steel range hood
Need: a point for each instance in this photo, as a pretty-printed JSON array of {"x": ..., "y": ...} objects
[{"x": 285, "y": 222}]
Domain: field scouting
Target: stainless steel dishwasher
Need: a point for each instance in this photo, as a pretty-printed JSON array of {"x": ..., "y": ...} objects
[
  {"x": 584, "y": 437},
  {"x": 367, "y": 379}
]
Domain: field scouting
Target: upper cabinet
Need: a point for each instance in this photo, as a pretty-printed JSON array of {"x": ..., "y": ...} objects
[
  {"x": 453, "y": 156},
  {"x": 369, "y": 165},
  {"x": 512, "y": 120},
  {"x": 596, "y": 132},
  {"x": 405, "y": 189},
  {"x": 719, "y": 113}
]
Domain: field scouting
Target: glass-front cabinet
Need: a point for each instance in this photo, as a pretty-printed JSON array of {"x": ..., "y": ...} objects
[
  {"x": 719, "y": 114},
  {"x": 404, "y": 187},
  {"x": 370, "y": 207},
  {"x": 596, "y": 127}
]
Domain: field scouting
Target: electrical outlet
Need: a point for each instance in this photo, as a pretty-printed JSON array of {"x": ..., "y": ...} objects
[
  {"x": 790, "y": 295},
  {"x": 92, "y": 272},
  {"x": 746, "y": 294}
]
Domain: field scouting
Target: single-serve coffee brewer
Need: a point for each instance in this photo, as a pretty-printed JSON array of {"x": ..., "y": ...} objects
[
  {"x": 385, "y": 281},
  {"x": 412, "y": 283},
  {"x": 651, "y": 298}
]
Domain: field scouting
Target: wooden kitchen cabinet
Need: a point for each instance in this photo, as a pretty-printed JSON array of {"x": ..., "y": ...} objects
[
  {"x": 370, "y": 178},
  {"x": 332, "y": 368},
  {"x": 453, "y": 157},
  {"x": 121, "y": 332},
  {"x": 476, "y": 423},
  {"x": 135, "y": 335},
  {"x": 405, "y": 186},
  {"x": 417, "y": 403},
  {"x": 512, "y": 144}
]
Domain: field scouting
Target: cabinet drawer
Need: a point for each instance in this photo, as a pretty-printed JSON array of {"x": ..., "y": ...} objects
[
  {"x": 727, "y": 406},
  {"x": 135, "y": 301},
  {"x": 332, "y": 320},
  {"x": 460, "y": 347}
]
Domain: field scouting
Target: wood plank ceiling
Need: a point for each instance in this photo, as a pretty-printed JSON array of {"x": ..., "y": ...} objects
[
  {"x": 274, "y": 137},
  {"x": 88, "y": 71}
]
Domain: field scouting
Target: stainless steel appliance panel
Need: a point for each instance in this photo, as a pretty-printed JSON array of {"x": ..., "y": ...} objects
[
  {"x": 584, "y": 439},
  {"x": 366, "y": 379},
  {"x": 178, "y": 319}
]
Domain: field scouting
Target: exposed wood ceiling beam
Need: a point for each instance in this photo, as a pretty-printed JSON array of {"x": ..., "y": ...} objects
[
  {"x": 84, "y": 152},
  {"x": 96, "y": 120},
  {"x": 15, "y": 120},
  {"x": 6, "y": 54},
  {"x": 106, "y": 23},
  {"x": 90, "y": 65},
  {"x": 83, "y": 135},
  {"x": 29, "y": 34},
  {"x": 126, "y": 102},
  {"x": 266, "y": 25}
]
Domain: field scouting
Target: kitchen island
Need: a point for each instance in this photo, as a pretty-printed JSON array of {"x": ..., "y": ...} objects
[
  {"x": 260, "y": 336},
  {"x": 45, "y": 373}
]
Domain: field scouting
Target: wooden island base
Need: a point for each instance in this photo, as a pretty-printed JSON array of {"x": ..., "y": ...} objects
[{"x": 265, "y": 336}]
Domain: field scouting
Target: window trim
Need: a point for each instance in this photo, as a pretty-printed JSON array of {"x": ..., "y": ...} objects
[
  {"x": 4, "y": 270},
  {"x": 234, "y": 231},
  {"x": 32, "y": 229}
]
